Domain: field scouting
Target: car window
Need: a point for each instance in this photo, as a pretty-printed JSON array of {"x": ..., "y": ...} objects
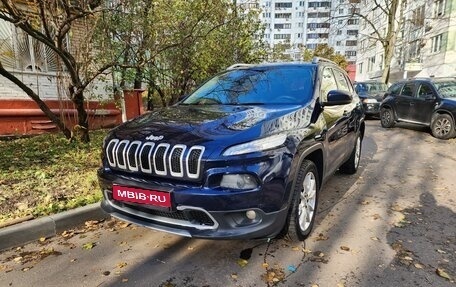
[
  {"x": 328, "y": 83},
  {"x": 342, "y": 81},
  {"x": 424, "y": 91},
  {"x": 407, "y": 90},
  {"x": 446, "y": 89},
  {"x": 395, "y": 89},
  {"x": 292, "y": 85}
]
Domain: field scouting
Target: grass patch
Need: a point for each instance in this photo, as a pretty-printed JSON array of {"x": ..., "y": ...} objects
[{"x": 46, "y": 174}]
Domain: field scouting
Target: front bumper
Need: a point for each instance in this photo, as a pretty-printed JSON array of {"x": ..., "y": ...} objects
[
  {"x": 372, "y": 109},
  {"x": 198, "y": 212}
]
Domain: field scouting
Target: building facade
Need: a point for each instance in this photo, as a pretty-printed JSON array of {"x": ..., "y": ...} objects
[
  {"x": 306, "y": 24},
  {"x": 425, "y": 45}
]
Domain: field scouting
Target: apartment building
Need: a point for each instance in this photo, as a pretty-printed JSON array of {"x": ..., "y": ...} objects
[
  {"x": 308, "y": 23},
  {"x": 425, "y": 46}
]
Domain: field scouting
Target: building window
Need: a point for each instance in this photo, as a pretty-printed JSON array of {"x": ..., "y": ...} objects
[
  {"x": 360, "y": 68},
  {"x": 283, "y": 15},
  {"x": 351, "y": 43},
  {"x": 341, "y": 10},
  {"x": 338, "y": 43},
  {"x": 339, "y": 32},
  {"x": 439, "y": 8},
  {"x": 283, "y": 5},
  {"x": 19, "y": 51},
  {"x": 282, "y": 26},
  {"x": 282, "y": 36},
  {"x": 436, "y": 43},
  {"x": 418, "y": 16},
  {"x": 353, "y": 21},
  {"x": 352, "y": 32},
  {"x": 350, "y": 53},
  {"x": 370, "y": 64}
]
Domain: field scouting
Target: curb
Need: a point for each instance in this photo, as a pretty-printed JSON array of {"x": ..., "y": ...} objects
[{"x": 48, "y": 226}]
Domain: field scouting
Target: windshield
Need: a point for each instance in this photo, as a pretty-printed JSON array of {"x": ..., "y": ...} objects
[
  {"x": 277, "y": 85},
  {"x": 446, "y": 89},
  {"x": 371, "y": 88}
]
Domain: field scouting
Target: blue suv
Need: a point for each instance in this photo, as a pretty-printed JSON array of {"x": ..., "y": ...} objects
[{"x": 242, "y": 157}]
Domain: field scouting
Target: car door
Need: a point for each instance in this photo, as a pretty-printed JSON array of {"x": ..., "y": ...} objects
[
  {"x": 423, "y": 104},
  {"x": 404, "y": 100},
  {"x": 337, "y": 123}
]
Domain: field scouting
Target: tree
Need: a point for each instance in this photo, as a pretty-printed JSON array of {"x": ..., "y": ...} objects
[
  {"x": 52, "y": 22},
  {"x": 392, "y": 10},
  {"x": 174, "y": 45},
  {"x": 325, "y": 51}
]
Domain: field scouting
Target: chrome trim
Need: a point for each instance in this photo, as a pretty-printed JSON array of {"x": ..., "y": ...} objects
[
  {"x": 164, "y": 171},
  {"x": 198, "y": 162},
  {"x": 166, "y": 220},
  {"x": 149, "y": 170},
  {"x": 181, "y": 163},
  {"x": 124, "y": 165},
  {"x": 113, "y": 155},
  {"x": 132, "y": 144}
]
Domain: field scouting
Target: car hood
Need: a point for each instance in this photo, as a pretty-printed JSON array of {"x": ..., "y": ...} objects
[
  {"x": 377, "y": 96},
  {"x": 218, "y": 125}
]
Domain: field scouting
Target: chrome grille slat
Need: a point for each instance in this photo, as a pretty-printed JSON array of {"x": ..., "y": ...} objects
[{"x": 159, "y": 159}]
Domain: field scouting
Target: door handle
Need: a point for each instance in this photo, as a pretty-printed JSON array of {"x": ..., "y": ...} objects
[{"x": 321, "y": 136}]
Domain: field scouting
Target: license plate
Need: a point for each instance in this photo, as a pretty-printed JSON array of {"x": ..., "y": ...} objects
[{"x": 144, "y": 196}]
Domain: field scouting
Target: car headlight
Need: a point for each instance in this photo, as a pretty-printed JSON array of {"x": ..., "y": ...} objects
[
  {"x": 256, "y": 145},
  {"x": 370, "y": 101}
]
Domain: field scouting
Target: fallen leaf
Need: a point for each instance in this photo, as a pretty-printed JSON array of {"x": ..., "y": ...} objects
[
  {"x": 441, "y": 251},
  {"x": 17, "y": 259},
  {"x": 442, "y": 273},
  {"x": 364, "y": 202},
  {"x": 345, "y": 248},
  {"x": 408, "y": 258},
  {"x": 296, "y": 248},
  {"x": 234, "y": 276},
  {"x": 306, "y": 251},
  {"x": 26, "y": 269},
  {"x": 124, "y": 280},
  {"x": 106, "y": 273},
  {"x": 340, "y": 284},
  {"x": 242, "y": 262},
  {"x": 265, "y": 265},
  {"x": 376, "y": 216},
  {"x": 88, "y": 245},
  {"x": 418, "y": 266},
  {"x": 121, "y": 264},
  {"x": 374, "y": 238},
  {"x": 42, "y": 239},
  {"x": 396, "y": 207},
  {"x": 321, "y": 237}
]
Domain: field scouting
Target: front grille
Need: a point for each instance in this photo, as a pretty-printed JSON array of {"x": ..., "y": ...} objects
[{"x": 161, "y": 159}]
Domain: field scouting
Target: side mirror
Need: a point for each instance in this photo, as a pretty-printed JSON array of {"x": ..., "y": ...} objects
[{"x": 338, "y": 97}]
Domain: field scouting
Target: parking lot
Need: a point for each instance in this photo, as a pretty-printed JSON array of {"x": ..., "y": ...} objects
[{"x": 391, "y": 224}]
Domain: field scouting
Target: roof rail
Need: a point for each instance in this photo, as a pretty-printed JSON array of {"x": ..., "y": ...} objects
[
  {"x": 316, "y": 60},
  {"x": 238, "y": 65}
]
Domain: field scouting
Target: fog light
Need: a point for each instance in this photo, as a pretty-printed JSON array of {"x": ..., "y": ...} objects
[
  {"x": 238, "y": 181},
  {"x": 251, "y": 214}
]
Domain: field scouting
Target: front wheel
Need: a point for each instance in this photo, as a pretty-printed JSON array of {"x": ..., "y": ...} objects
[
  {"x": 442, "y": 126},
  {"x": 386, "y": 118},
  {"x": 352, "y": 164},
  {"x": 303, "y": 208}
]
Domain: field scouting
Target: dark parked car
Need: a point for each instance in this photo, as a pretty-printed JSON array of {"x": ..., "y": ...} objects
[
  {"x": 244, "y": 156},
  {"x": 429, "y": 102},
  {"x": 371, "y": 94}
]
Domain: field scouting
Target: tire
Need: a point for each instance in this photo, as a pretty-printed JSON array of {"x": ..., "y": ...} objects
[
  {"x": 352, "y": 164},
  {"x": 301, "y": 215},
  {"x": 442, "y": 126},
  {"x": 387, "y": 118}
]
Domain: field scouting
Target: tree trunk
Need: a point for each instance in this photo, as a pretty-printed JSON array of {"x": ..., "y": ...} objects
[
  {"x": 42, "y": 105},
  {"x": 389, "y": 46},
  {"x": 81, "y": 130}
]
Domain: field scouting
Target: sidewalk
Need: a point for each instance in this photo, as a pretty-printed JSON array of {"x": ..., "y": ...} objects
[{"x": 48, "y": 226}]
